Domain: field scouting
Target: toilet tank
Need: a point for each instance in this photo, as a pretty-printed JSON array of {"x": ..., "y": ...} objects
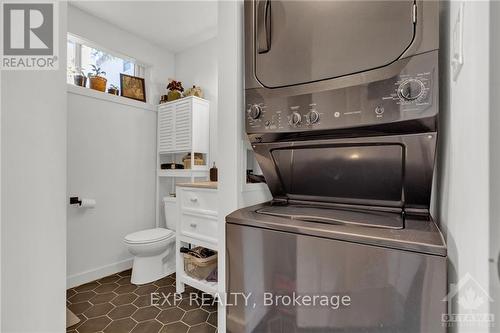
[{"x": 170, "y": 209}]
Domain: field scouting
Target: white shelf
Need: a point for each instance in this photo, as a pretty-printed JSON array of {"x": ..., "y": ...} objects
[
  {"x": 183, "y": 173},
  {"x": 91, "y": 93},
  {"x": 199, "y": 242},
  {"x": 203, "y": 285},
  {"x": 183, "y": 99}
]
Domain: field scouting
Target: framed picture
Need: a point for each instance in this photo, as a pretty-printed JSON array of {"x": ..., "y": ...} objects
[{"x": 133, "y": 87}]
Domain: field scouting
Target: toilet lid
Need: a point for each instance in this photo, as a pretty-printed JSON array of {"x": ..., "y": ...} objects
[{"x": 149, "y": 235}]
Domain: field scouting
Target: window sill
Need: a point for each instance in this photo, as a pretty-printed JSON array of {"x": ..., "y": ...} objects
[{"x": 83, "y": 91}]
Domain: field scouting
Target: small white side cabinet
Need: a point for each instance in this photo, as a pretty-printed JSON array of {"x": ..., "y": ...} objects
[{"x": 183, "y": 126}]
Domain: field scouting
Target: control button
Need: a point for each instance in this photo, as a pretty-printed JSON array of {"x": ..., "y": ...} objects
[
  {"x": 411, "y": 90},
  {"x": 336, "y": 114},
  {"x": 313, "y": 117},
  {"x": 267, "y": 123},
  {"x": 255, "y": 111},
  {"x": 295, "y": 119},
  {"x": 379, "y": 110}
]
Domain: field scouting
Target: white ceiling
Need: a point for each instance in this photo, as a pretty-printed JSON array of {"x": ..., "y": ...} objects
[{"x": 173, "y": 25}]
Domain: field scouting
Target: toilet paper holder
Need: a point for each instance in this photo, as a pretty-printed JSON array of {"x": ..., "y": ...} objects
[
  {"x": 82, "y": 202},
  {"x": 75, "y": 201}
]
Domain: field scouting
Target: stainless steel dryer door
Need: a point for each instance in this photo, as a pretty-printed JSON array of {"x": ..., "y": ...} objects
[{"x": 297, "y": 42}]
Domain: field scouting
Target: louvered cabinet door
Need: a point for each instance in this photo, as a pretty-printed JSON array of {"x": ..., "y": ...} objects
[
  {"x": 166, "y": 133},
  {"x": 183, "y": 126}
]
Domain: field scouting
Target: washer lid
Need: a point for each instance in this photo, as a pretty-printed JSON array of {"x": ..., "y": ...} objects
[{"x": 149, "y": 235}]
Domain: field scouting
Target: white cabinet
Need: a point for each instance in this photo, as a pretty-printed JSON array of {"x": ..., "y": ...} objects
[
  {"x": 197, "y": 225},
  {"x": 183, "y": 126}
]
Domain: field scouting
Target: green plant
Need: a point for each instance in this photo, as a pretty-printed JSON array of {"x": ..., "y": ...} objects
[
  {"x": 97, "y": 71},
  {"x": 77, "y": 71},
  {"x": 175, "y": 85}
]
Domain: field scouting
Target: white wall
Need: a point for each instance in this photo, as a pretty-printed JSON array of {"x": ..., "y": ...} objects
[
  {"x": 198, "y": 66},
  {"x": 231, "y": 147},
  {"x": 112, "y": 159},
  {"x": 230, "y": 90},
  {"x": 495, "y": 157},
  {"x": 463, "y": 165},
  {"x": 160, "y": 61},
  {"x": 33, "y": 230}
]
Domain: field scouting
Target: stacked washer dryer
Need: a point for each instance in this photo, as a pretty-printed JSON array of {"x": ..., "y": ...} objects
[{"x": 341, "y": 111}]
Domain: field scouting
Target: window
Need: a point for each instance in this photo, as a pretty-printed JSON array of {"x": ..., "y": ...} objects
[{"x": 82, "y": 55}]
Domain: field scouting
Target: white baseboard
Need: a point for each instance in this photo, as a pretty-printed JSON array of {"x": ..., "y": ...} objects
[{"x": 94, "y": 274}]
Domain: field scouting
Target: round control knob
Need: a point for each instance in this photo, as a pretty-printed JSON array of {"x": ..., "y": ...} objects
[
  {"x": 410, "y": 90},
  {"x": 313, "y": 117},
  {"x": 255, "y": 111},
  {"x": 296, "y": 118}
]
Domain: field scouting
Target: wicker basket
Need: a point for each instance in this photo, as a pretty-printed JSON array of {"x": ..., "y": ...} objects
[
  {"x": 199, "y": 268},
  {"x": 198, "y": 160}
]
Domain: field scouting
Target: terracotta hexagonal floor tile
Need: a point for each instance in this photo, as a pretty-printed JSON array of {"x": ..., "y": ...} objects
[
  {"x": 212, "y": 319},
  {"x": 75, "y": 326},
  {"x": 166, "y": 281},
  {"x": 125, "y": 289},
  {"x": 143, "y": 301},
  {"x": 69, "y": 293},
  {"x": 145, "y": 290},
  {"x": 146, "y": 313},
  {"x": 108, "y": 279},
  {"x": 166, "y": 290},
  {"x": 78, "y": 308},
  {"x": 106, "y": 288},
  {"x": 195, "y": 317},
  {"x": 86, "y": 286},
  {"x": 126, "y": 272},
  {"x": 124, "y": 325},
  {"x": 151, "y": 326},
  {"x": 188, "y": 304},
  {"x": 178, "y": 327},
  {"x": 209, "y": 306},
  {"x": 168, "y": 301},
  {"x": 102, "y": 298},
  {"x": 170, "y": 315},
  {"x": 122, "y": 311},
  {"x": 81, "y": 297},
  {"x": 98, "y": 310},
  {"x": 100, "y": 307},
  {"x": 124, "y": 281},
  {"x": 124, "y": 299},
  {"x": 202, "y": 328},
  {"x": 94, "y": 325}
]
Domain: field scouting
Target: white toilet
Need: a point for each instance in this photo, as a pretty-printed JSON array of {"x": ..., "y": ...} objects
[{"x": 154, "y": 249}]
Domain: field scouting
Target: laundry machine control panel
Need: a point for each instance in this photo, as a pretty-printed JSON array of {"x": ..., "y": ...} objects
[{"x": 411, "y": 94}]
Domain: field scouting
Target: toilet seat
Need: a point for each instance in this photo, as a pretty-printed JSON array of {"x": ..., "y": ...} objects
[{"x": 149, "y": 236}]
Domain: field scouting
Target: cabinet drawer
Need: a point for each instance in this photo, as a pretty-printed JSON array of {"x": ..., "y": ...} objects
[
  {"x": 198, "y": 226},
  {"x": 199, "y": 199}
]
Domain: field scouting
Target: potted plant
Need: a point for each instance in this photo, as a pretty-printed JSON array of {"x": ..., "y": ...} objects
[
  {"x": 175, "y": 90},
  {"x": 79, "y": 77},
  {"x": 113, "y": 89},
  {"x": 97, "y": 79}
]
